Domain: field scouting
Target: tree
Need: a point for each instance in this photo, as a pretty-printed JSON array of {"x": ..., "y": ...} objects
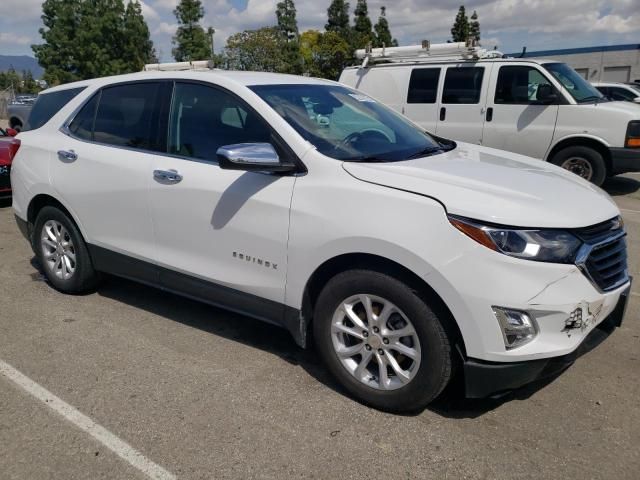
[
  {"x": 383, "y": 36},
  {"x": 460, "y": 29},
  {"x": 338, "y": 18},
  {"x": 363, "y": 32},
  {"x": 28, "y": 84},
  {"x": 288, "y": 27},
  {"x": 261, "y": 50},
  {"x": 191, "y": 41},
  {"x": 90, "y": 38},
  {"x": 325, "y": 54},
  {"x": 139, "y": 48},
  {"x": 474, "y": 27}
]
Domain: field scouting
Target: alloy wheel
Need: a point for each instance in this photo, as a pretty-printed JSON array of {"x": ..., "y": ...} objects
[
  {"x": 375, "y": 342},
  {"x": 58, "y": 251}
]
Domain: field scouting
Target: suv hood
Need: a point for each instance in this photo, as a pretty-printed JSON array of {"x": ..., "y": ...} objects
[{"x": 495, "y": 186}]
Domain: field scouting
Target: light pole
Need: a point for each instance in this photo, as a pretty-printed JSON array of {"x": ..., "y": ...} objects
[{"x": 211, "y": 31}]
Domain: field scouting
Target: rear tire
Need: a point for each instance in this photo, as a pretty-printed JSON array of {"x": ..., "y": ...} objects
[
  {"x": 402, "y": 362},
  {"x": 63, "y": 253},
  {"x": 584, "y": 162}
]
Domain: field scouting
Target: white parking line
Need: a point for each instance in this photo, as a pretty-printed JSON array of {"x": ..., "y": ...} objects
[
  {"x": 629, "y": 211},
  {"x": 634, "y": 294},
  {"x": 101, "y": 434}
]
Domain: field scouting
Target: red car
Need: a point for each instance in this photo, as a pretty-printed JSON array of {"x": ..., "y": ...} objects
[{"x": 8, "y": 148}]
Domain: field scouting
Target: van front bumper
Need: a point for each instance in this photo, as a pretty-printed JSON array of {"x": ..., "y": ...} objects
[
  {"x": 485, "y": 379},
  {"x": 625, "y": 160}
]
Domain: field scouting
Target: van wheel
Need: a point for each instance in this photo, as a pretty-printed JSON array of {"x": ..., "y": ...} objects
[
  {"x": 62, "y": 252},
  {"x": 381, "y": 341},
  {"x": 584, "y": 162}
]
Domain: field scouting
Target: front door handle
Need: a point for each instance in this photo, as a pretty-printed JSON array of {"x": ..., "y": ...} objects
[
  {"x": 67, "y": 155},
  {"x": 443, "y": 113},
  {"x": 489, "y": 116},
  {"x": 167, "y": 176}
]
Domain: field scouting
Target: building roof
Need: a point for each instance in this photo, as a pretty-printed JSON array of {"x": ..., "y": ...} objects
[{"x": 573, "y": 51}]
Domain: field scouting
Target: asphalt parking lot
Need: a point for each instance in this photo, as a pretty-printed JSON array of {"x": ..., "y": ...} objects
[{"x": 195, "y": 392}]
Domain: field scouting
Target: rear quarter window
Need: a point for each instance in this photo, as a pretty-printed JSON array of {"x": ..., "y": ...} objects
[{"x": 48, "y": 104}]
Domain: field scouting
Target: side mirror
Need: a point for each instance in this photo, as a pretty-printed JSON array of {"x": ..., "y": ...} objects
[
  {"x": 12, "y": 133},
  {"x": 252, "y": 157},
  {"x": 546, "y": 94},
  {"x": 636, "y": 100}
]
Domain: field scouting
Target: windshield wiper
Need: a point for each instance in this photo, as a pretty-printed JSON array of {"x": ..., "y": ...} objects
[{"x": 426, "y": 152}]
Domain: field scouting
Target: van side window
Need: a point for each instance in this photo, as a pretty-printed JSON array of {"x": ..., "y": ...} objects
[
  {"x": 82, "y": 125},
  {"x": 423, "y": 85},
  {"x": 204, "y": 119},
  {"x": 463, "y": 85},
  {"x": 518, "y": 85},
  {"x": 129, "y": 115}
]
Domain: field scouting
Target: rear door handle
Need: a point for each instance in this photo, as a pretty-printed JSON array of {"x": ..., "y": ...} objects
[
  {"x": 489, "y": 114},
  {"x": 167, "y": 176},
  {"x": 443, "y": 113},
  {"x": 67, "y": 155}
]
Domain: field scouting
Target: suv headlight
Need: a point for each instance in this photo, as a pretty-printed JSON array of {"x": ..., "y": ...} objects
[{"x": 541, "y": 245}]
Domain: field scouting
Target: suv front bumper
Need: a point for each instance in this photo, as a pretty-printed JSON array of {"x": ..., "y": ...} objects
[
  {"x": 485, "y": 379},
  {"x": 625, "y": 160}
]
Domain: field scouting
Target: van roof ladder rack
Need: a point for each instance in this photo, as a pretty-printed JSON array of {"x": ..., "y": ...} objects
[{"x": 425, "y": 53}]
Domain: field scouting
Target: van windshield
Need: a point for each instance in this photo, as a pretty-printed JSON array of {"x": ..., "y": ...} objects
[
  {"x": 581, "y": 90},
  {"x": 347, "y": 125}
]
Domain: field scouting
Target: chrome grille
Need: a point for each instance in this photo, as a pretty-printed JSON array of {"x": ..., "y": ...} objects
[{"x": 603, "y": 257}]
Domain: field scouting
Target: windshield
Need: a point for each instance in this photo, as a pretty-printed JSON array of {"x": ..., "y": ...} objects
[
  {"x": 581, "y": 90},
  {"x": 347, "y": 125}
]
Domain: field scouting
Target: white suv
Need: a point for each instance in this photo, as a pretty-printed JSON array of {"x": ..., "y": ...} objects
[{"x": 306, "y": 204}]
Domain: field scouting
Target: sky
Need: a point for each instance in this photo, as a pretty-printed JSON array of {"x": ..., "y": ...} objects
[{"x": 507, "y": 24}]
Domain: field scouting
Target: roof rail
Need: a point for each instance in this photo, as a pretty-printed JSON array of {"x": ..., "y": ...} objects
[
  {"x": 177, "y": 66},
  {"x": 426, "y": 52}
]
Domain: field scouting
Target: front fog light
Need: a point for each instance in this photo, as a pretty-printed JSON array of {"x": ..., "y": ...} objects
[{"x": 518, "y": 328}]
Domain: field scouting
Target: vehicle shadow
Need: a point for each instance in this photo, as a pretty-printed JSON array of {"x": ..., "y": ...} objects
[
  {"x": 277, "y": 341},
  {"x": 617, "y": 186}
]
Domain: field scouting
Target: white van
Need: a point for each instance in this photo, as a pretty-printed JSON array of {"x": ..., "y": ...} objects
[{"x": 539, "y": 108}]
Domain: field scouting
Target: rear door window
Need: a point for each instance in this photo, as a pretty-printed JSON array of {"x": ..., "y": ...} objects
[
  {"x": 82, "y": 125},
  {"x": 423, "y": 85},
  {"x": 131, "y": 115},
  {"x": 48, "y": 104},
  {"x": 463, "y": 85}
]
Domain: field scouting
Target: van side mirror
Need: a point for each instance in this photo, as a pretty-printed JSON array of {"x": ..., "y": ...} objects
[
  {"x": 252, "y": 157},
  {"x": 546, "y": 94},
  {"x": 636, "y": 100}
]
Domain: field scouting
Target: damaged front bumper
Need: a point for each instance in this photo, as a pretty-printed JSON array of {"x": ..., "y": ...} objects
[{"x": 596, "y": 321}]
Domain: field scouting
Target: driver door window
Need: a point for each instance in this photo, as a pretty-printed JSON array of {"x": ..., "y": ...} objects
[
  {"x": 518, "y": 85},
  {"x": 204, "y": 119}
]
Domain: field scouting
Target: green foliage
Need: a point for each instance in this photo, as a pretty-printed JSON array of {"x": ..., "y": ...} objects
[
  {"x": 91, "y": 38},
  {"x": 138, "y": 49},
  {"x": 324, "y": 54},
  {"x": 474, "y": 27},
  {"x": 460, "y": 29},
  {"x": 10, "y": 78},
  {"x": 363, "y": 29},
  {"x": 338, "y": 18},
  {"x": 191, "y": 41},
  {"x": 260, "y": 50},
  {"x": 383, "y": 37},
  {"x": 288, "y": 27}
]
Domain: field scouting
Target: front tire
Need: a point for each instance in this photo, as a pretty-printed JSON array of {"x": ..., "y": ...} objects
[
  {"x": 584, "y": 162},
  {"x": 62, "y": 252},
  {"x": 382, "y": 341}
]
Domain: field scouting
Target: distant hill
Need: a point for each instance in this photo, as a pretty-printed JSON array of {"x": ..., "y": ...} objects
[{"x": 19, "y": 63}]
